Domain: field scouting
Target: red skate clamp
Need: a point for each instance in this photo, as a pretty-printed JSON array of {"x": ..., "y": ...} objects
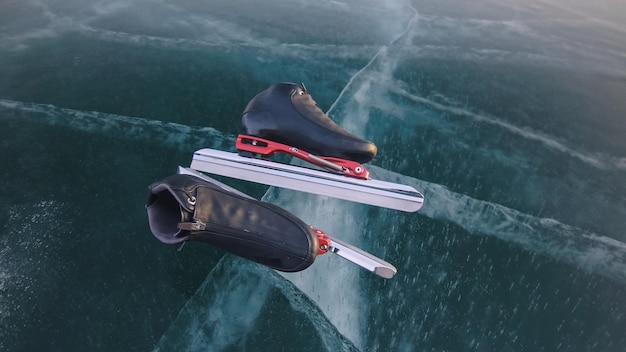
[{"x": 263, "y": 148}]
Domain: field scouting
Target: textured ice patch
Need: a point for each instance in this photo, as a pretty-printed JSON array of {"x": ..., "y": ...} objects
[
  {"x": 229, "y": 310},
  {"x": 27, "y": 253},
  {"x": 598, "y": 160},
  {"x": 588, "y": 251}
]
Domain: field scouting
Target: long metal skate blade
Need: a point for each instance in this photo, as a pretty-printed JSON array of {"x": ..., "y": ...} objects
[{"x": 372, "y": 192}]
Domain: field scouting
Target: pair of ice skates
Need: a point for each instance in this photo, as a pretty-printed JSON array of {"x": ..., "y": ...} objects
[{"x": 283, "y": 119}]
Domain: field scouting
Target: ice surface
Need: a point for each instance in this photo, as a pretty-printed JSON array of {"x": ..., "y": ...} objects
[{"x": 507, "y": 115}]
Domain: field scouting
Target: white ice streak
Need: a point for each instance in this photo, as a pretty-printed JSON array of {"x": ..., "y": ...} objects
[
  {"x": 135, "y": 128},
  {"x": 233, "y": 41},
  {"x": 359, "y": 114},
  {"x": 193, "y": 30},
  {"x": 597, "y": 160},
  {"x": 331, "y": 282},
  {"x": 347, "y": 310},
  {"x": 590, "y": 252},
  {"x": 351, "y": 80}
]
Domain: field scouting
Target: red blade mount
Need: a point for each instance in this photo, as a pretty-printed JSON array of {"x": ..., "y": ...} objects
[{"x": 264, "y": 148}]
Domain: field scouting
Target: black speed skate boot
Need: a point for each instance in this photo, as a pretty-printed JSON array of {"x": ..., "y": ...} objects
[
  {"x": 187, "y": 208},
  {"x": 286, "y": 113}
]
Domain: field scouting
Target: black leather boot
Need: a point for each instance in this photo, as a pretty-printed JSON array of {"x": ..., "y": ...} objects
[
  {"x": 286, "y": 113},
  {"x": 187, "y": 208}
]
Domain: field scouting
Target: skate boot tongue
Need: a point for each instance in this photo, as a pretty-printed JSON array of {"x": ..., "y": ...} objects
[{"x": 286, "y": 113}]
